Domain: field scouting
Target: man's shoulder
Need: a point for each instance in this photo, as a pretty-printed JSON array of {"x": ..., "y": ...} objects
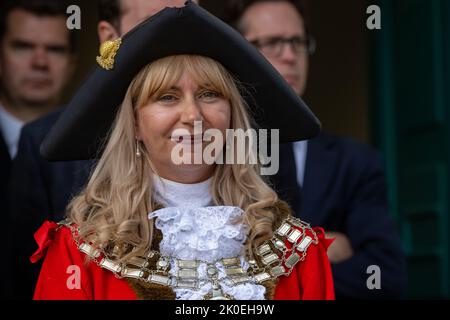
[
  {"x": 347, "y": 147},
  {"x": 38, "y": 129}
]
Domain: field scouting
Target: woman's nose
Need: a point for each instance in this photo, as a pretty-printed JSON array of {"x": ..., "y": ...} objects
[{"x": 191, "y": 111}]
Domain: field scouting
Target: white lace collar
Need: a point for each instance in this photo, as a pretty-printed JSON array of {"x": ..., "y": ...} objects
[{"x": 175, "y": 194}]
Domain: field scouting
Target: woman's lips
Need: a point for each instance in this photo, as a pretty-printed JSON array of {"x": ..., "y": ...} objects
[{"x": 191, "y": 139}]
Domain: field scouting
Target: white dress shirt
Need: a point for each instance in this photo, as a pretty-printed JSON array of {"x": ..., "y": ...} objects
[
  {"x": 10, "y": 128},
  {"x": 300, "y": 149}
]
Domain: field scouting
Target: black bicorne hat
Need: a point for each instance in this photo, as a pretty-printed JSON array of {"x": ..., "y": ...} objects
[{"x": 81, "y": 130}]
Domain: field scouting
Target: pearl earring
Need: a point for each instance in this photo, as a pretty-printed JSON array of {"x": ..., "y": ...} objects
[{"x": 138, "y": 149}]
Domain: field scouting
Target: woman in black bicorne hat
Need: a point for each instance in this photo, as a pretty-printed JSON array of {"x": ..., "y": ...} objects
[{"x": 151, "y": 223}]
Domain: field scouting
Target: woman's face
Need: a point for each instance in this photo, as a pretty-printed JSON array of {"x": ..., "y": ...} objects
[{"x": 180, "y": 107}]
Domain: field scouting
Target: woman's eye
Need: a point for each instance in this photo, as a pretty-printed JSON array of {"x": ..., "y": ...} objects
[
  {"x": 210, "y": 94},
  {"x": 167, "y": 98}
]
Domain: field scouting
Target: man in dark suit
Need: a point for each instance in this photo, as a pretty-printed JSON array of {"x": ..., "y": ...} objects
[
  {"x": 41, "y": 190},
  {"x": 37, "y": 54},
  {"x": 36, "y": 60},
  {"x": 330, "y": 181}
]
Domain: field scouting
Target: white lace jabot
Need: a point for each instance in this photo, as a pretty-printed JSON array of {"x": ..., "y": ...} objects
[
  {"x": 193, "y": 230},
  {"x": 206, "y": 233}
]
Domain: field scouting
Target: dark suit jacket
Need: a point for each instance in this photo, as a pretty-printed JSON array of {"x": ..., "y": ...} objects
[
  {"x": 5, "y": 168},
  {"x": 40, "y": 190},
  {"x": 344, "y": 190}
]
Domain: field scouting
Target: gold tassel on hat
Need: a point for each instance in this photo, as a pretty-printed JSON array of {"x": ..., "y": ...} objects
[{"x": 108, "y": 51}]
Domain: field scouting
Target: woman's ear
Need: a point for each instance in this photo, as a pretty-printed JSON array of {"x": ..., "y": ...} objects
[{"x": 137, "y": 133}]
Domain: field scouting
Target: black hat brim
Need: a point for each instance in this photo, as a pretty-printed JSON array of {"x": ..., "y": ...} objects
[{"x": 81, "y": 130}]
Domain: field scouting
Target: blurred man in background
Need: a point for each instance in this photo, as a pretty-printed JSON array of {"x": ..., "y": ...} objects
[
  {"x": 37, "y": 57},
  {"x": 36, "y": 60},
  {"x": 330, "y": 181},
  {"x": 40, "y": 189}
]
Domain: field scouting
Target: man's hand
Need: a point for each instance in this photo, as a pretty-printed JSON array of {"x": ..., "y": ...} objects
[{"x": 341, "y": 249}]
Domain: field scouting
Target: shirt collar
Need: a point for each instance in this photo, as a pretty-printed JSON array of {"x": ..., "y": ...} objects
[
  {"x": 175, "y": 194},
  {"x": 10, "y": 128}
]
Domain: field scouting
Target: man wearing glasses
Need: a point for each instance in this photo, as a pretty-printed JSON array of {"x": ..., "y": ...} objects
[{"x": 330, "y": 181}]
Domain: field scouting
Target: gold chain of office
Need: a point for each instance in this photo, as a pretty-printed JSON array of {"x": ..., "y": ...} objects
[{"x": 275, "y": 257}]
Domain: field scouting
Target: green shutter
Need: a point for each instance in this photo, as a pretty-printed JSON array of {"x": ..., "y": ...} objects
[{"x": 410, "y": 108}]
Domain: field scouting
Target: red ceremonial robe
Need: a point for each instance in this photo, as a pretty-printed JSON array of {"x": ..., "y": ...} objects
[{"x": 65, "y": 274}]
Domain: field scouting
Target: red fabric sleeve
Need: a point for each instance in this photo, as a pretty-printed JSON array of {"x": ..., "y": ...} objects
[
  {"x": 66, "y": 274},
  {"x": 63, "y": 274},
  {"x": 311, "y": 279},
  {"x": 315, "y": 272}
]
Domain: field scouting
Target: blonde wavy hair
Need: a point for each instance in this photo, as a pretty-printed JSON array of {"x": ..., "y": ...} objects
[{"x": 112, "y": 210}]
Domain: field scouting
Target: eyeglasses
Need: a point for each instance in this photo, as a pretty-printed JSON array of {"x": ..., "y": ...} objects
[{"x": 274, "y": 46}]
